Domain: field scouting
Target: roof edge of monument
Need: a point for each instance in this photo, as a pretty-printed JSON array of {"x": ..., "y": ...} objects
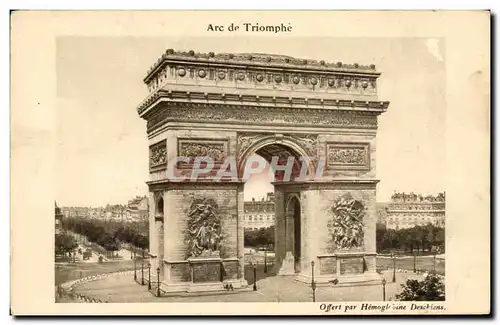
[{"x": 259, "y": 59}]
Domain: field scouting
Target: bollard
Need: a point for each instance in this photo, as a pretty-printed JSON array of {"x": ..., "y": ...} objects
[
  {"x": 313, "y": 284},
  {"x": 255, "y": 277},
  {"x": 158, "y": 289},
  {"x": 149, "y": 276},
  {"x": 135, "y": 271},
  {"x": 383, "y": 288},
  {"x": 394, "y": 269},
  {"x": 265, "y": 261}
]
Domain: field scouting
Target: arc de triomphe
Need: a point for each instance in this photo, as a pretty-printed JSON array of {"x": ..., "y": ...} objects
[{"x": 237, "y": 105}]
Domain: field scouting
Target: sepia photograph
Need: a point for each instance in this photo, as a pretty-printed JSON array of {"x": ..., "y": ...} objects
[{"x": 213, "y": 169}]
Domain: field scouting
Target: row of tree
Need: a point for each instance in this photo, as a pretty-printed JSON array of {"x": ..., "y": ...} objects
[
  {"x": 260, "y": 237},
  {"x": 109, "y": 234},
  {"x": 416, "y": 239}
]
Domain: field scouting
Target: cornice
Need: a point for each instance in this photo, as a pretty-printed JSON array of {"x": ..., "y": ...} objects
[
  {"x": 165, "y": 184},
  {"x": 299, "y": 102},
  {"x": 334, "y": 184},
  {"x": 255, "y": 60}
]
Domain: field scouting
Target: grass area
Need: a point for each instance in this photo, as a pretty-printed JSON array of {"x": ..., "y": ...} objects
[
  {"x": 422, "y": 263},
  {"x": 73, "y": 271}
]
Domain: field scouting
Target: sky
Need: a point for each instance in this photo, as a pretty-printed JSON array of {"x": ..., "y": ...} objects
[{"x": 102, "y": 144}]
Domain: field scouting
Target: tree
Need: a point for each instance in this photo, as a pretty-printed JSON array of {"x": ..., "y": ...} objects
[
  {"x": 430, "y": 289},
  {"x": 64, "y": 244},
  {"x": 259, "y": 237},
  {"x": 408, "y": 239}
]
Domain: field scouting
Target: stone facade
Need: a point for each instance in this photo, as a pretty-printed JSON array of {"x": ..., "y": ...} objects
[
  {"x": 407, "y": 210},
  {"x": 237, "y": 105},
  {"x": 260, "y": 214}
]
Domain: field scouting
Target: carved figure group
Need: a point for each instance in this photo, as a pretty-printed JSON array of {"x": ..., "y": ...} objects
[
  {"x": 204, "y": 230},
  {"x": 346, "y": 227},
  {"x": 214, "y": 151},
  {"x": 347, "y": 156},
  {"x": 158, "y": 155}
]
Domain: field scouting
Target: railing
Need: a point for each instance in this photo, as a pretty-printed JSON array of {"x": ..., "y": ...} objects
[
  {"x": 156, "y": 290},
  {"x": 68, "y": 289}
]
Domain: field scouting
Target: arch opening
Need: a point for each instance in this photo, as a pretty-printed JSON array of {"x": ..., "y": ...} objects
[
  {"x": 159, "y": 206},
  {"x": 260, "y": 195},
  {"x": 293, "y": 230}
]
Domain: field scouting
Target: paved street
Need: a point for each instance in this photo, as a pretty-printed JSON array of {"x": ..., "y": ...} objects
[{"x": 270, "y": 289}]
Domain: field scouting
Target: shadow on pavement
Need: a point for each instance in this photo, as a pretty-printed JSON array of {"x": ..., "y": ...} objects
[{"x": 249, "y": 276}]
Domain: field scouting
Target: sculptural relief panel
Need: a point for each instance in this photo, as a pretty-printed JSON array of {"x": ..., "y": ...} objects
[
  {"x": 158, "y": 154},
  {"x": 346, "y": 228},
  {"x": 348, "y": 156},
  {"x": 202, "y": 147},
  {"x": 204, "y": 232}
]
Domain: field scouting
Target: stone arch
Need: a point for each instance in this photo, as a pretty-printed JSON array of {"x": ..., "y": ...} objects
[
  {"x": 269, "y": 145},
  {"x": 291, "y": 202},
  {"x": 158, "y": 204}
]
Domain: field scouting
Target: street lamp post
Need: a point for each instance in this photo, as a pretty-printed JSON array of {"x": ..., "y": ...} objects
[
  {"x": 265, "y": 261},
  {"x": 434, "y": 266},
  {"x": 394, "y": 268},
  {"x": 142, "y": 268},
  {"x": 158, "y": 274},
  {"x": 313, "y": 284},
  {"x": 254, "y": 276},
  {"x": 149, "y": 276},
  {"x": 135, "y": 269},
  {"x": 383, "y": 287}
]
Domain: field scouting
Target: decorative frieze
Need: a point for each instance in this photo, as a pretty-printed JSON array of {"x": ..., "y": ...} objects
[
  {"x": 348, "y": 155},
  {"x": 337, "y": 83},
  {"x": 258, "y": 70},
  {"x": 262, "y": 116},
  {"x": 346, "y": 228},
  {"x": 158, "y": 154}
]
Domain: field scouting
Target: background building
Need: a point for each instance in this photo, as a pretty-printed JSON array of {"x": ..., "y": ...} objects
[
  {"x": 259, "y": 214},
  {"x": 407, "y": 210},
  {"x": 137, "y": 209},
  {"x": 58, "y": 218}
]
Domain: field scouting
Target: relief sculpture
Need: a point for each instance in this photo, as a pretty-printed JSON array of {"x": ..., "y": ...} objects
[
  {"x": 158, "y": 154},
  {"x": 308, "y": 142},
  {"x": 216, "y": 151},
  {"x": 203, "y": 234},
  {"x": 347, "y": 156},
  {"x": 245, "y": 140},
  {"x": 346, "y": 226}
]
